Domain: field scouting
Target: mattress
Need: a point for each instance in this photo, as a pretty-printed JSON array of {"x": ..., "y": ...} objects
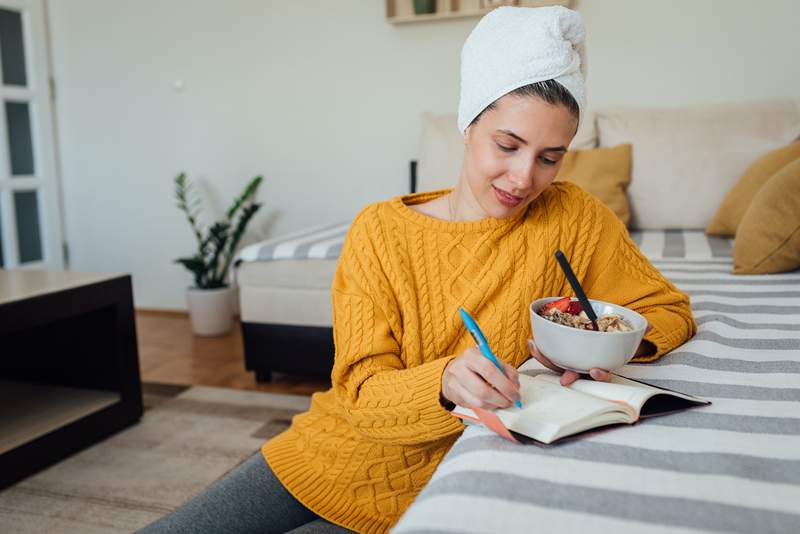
[
  {"x": 287, "y": 292},
  {"x": 287, "y": 280},
  {"x": 732, "y": 467}
]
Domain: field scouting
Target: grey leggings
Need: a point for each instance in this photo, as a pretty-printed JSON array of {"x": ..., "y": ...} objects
[{"x": 248, "y": 500}]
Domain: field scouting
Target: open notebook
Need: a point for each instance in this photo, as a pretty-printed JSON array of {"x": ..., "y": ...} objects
[{"x": 551, "y": 411}]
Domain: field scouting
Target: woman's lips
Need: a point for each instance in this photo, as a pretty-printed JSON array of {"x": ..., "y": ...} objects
[{"x": 506, "y": 199}]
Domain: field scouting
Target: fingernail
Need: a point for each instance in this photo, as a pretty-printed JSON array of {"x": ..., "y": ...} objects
[{"x": 530, "y": 343}]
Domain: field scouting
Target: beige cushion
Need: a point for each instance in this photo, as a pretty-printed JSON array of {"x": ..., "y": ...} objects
[
  {"x": 441, "y": 150},
  {"x": 768, "y": 238},
  {"x": 737, "y": 200},
  {"x": 440, "y": 154},
  {"x": 293, "y": 292},
  {"x": 603, "y": 172},
  {"x": 316, "y": 274},
  {"x": 685, "y": 160}
]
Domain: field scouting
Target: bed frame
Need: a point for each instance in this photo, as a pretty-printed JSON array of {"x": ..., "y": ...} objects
[{"x": 268, "y": 346}]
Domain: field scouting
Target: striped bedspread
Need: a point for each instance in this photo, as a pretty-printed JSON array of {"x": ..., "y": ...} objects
[
  {"x": 319, "y": 242},
  {"x": 325, "y": 242},
  {"x": 733, "y": 466}
]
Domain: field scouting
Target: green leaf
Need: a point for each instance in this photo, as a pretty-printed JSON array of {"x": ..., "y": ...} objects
[
  {"x": 238, "y": 231},
  {"x": 247, "y": 196}
]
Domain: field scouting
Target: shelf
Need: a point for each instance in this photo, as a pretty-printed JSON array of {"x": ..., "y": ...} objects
[
  {"x": 19, "y": 284},
  {"x": 402, "y": 11},
  {"x": 29, "y": 411}
]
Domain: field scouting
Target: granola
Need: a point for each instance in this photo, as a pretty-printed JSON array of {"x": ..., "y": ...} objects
[{"x": 567, "y": 312}]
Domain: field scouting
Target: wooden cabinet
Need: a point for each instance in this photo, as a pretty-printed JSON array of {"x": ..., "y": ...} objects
[
  {"x": 69, "y": 366},
  {"x": 402, "y": 11}
]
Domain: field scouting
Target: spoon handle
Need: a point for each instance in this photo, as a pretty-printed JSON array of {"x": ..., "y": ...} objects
[{"x": 576, "y": 286}]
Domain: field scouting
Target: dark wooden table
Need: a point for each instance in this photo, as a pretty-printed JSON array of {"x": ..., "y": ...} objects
[{"x": 69, "y": 367}]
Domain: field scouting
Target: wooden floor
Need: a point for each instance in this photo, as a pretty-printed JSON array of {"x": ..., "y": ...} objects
[{"x": 170, "y": 354}]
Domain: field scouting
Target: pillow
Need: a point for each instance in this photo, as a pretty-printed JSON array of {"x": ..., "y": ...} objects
[
  {"x": 685, "y": 160},
  {"x": 586, "y": 136},
  {"x": 603, "y": 172},
  {"x": 768, "y": 238},
  {"x": 442, "y": 149},
  {"x": 736, "y": 201},
  {"x": 441, "y": 152}
]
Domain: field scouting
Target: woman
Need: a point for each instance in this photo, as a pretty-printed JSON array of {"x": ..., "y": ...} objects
[{"x": 366, "y": 447}]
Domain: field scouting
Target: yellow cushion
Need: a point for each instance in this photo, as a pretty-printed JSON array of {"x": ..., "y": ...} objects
[
  {"x": 735, "y": 203},
  {"x": 768, "y": 238},
  {"x": 603, "y": 172}
]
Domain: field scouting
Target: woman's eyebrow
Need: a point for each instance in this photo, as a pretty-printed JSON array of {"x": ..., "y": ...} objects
[
  {"x": 561, "y": 148},
  {"x": 515, "y": 136}
]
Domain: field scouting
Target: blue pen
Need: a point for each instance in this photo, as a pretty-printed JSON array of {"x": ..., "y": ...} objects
[{"x": 480, "y": 339}]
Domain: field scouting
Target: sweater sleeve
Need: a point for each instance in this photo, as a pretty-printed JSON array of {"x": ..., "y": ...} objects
[
  {"x": 619, "y": 273},
  {"x": 383, "y": 397}
]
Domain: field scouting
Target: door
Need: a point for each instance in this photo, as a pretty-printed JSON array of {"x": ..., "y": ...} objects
[{"x": 30, "y": 215}]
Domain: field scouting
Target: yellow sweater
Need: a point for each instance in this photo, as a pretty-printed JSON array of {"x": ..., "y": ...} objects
[{"x": 367, "y": 446}]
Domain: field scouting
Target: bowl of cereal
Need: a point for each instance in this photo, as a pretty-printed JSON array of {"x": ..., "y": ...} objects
[{"x": 565, "y": 335}]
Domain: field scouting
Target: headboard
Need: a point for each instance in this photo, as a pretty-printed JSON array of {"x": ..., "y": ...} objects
[{"x": 412, "y": 176}]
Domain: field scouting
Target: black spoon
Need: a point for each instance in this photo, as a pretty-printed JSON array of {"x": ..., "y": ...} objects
[{"x": 576, "y": 286}]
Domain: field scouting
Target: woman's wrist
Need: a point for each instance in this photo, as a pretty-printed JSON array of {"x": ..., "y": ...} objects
[{"x": 446, "y": 404}]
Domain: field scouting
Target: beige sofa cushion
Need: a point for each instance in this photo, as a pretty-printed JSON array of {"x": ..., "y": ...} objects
[
  {"x": 442, "y": 149},
  {"x": 736, "y": 201},
  {"x": 441, "y": 152},
  {"x": 768, "y": 238},
  {"x": 685, "y": 160},
  {"x": 293, "y": 292}
]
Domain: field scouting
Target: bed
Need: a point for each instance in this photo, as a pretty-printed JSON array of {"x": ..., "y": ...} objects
[
  {"x": 284, "y": 283},
  {"x": 733, "y": 466}
]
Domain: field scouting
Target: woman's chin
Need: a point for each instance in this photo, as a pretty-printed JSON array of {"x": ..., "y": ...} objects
[{"x": 499, "y": 210}]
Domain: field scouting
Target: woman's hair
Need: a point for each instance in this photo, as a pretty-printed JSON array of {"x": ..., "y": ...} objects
[{"x": 550, "y": 91}]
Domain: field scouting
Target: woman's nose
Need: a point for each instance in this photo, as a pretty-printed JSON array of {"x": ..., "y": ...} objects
[{"x": 522, "y": 174}]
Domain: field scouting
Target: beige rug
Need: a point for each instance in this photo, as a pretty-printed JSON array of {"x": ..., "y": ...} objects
[{"x": 182, "y": 444}]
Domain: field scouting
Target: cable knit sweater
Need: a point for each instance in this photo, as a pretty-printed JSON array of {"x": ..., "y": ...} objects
[{"x": 367, "y": 446}]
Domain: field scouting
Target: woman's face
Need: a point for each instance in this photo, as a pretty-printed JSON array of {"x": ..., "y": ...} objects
[{"x": 513, "y": 153}]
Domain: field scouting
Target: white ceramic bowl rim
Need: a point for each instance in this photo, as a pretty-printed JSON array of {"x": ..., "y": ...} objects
[{"x": 536, "y": 305}]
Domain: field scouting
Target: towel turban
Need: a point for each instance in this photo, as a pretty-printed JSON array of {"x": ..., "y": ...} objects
[{"x": 515, "y": 46}]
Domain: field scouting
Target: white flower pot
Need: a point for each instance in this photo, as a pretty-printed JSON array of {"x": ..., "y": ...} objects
[{"x": 210, "y": 310}]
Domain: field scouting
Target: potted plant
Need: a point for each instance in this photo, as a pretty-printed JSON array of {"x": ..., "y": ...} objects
[{"x": 210, "y": 298}]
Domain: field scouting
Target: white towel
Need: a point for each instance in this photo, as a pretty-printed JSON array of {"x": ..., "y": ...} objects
[{"x": 516, "y": 46}]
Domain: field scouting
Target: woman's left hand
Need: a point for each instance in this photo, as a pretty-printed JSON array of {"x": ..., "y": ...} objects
[{"x": 567, "y": 377}]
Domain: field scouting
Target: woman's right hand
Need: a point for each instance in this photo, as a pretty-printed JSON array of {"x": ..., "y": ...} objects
[{"x": 473, "y": 381}]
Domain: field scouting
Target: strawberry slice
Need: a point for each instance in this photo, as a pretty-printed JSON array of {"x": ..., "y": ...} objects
[
  {"x": 575, "y": 307},
  {"x": 560, "y": 304}
]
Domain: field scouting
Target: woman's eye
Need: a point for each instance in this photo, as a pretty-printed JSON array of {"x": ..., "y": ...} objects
[
  {"x": 506, "y": 148},
  {"x": 548, "y": 161}
]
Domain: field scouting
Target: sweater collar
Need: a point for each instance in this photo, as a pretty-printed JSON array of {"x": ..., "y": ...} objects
[{"x": 401, "y": 205}]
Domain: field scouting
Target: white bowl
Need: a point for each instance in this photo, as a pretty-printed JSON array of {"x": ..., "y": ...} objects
[{"x": 580, "y": 350}]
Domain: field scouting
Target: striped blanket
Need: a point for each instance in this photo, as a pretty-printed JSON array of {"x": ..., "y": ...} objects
[
  {"x": 318, "y": 243},
  {"x": 325, "y": 242},
  {"x": 731, "y": 467}
]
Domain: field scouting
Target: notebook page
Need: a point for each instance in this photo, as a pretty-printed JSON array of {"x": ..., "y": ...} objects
[
  {"x": 616, "y": 389},
  {"x": 621, "y": 389},
  {"x": 550, "y": 410}
]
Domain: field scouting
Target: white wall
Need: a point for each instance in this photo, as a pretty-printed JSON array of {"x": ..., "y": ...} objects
[
  {"x": 323, "y": 98},
  {"x": 664, "y": 53}
]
